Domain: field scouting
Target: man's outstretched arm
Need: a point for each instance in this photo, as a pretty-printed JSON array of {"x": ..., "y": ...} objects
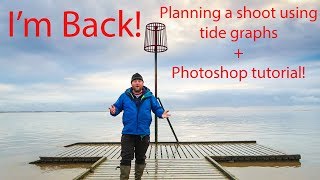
[
  {"x": 117, "y": 107},
  {"x": 158, "y": 110}
]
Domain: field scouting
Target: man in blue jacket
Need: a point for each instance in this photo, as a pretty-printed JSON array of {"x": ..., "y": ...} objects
[{"x": 136, "y": 103}]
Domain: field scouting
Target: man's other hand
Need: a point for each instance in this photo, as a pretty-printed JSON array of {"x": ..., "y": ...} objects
[
  {"x": 112, "y": 109},
  {"x": 166, "y": 114}
]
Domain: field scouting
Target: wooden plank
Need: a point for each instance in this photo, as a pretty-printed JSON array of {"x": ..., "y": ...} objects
[
  {"x": 68, "y": 159},
  {"x": 107, "y": 150},
  {"x": 101, "y": 151},
  {"x": 186, "y": 142},
  {"x": 77, "y": 152},
  {"x": 218, "y": 151},
  {"x": 115, "y": 152},
  {"x": 195, "y": 146},
  {"x": 249, "y": 151},
  {"x": 151, "y": 151},
  {"x": 209, "y": 150},
  {"x": 167, "y": 152},
  {"x": 96, "y": 151},
  {"x": 111, "y": 151},
  {"x": 184, "y": 151},
  {"x": 194, "y": 151},
  {"x": 222, "y": 150},
  {"x": 234, "y": 151},
  {"x": 190, "y": 151},
  {"x": 177, "y": 176},
  {"x": 226, "y": 148},
  {"x": 176, "y": 150},
  {"x": 162, "y": 151},
  {"x": 259, "y": 151},
  {"x": 116, "y": 156},
  {"x": 262, "y": 151},
  {"x": 86, "y": 151},
  {"x": 163, "y": 169},
  {"x": 74, "y": 151},
  {"x": 157, "y": 153},
  {"x": 148, "y": 151},
  {"x": 206, "y": 150},
  {"x": 66, "y": 150},
  {"x": 272, "y": 151},
  {"x": 218, "y": 166},
  {"x": 295, "y": 157},
  {"x": 90, "y": 169}
]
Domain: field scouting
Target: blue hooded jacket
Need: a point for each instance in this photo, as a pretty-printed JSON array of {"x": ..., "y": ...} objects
[{"x": 136, "y": 117}]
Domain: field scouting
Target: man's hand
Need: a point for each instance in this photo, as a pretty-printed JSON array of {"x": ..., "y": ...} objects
[
  {"x": 166, "y": 114},
  {"x": 112, "y": 109}
]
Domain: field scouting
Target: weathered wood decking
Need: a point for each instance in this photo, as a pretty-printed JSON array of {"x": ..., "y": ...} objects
[
  {"x": 163, "y": 169},
  {"x": 168, "y": 160},
  {"x": 219, "y": 151}
]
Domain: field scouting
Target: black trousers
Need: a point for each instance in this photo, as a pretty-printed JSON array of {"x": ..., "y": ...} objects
[{"x": 133, "y": 146}]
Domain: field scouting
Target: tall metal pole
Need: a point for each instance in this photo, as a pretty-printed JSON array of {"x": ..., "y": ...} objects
[
  {"x": 156, "y": 42},
  {"x": 155, "y": 84}
]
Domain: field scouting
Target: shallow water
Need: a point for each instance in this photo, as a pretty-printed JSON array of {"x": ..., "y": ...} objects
[{"x": 294, "y": 130}]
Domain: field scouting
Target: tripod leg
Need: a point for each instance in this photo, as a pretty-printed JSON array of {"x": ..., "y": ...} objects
[{"x": 175, "y": 136}]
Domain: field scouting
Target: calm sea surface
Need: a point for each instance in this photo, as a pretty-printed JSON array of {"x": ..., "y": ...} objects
[{"x": 295, "y": 130}]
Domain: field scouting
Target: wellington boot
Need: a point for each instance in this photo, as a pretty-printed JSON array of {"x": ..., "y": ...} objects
[
  {"x": 124, "y": 172},
  {"x": 139, "y": 168}
]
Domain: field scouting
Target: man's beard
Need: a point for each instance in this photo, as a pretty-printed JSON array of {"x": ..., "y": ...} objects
[{"x": 137, "y": 89}]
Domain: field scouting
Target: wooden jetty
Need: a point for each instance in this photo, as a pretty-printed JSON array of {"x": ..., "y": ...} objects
[
  {"x": 168, "y": 160},
  {"x": 162, "y": 169}
]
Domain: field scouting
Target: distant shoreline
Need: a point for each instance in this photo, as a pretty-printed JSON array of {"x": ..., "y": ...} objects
[
  {"x": 45, "y": 111},
  {"x": 244, "y": 108}
]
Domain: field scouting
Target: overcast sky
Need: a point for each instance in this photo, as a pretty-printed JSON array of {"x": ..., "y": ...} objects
[{"x": 59, "y": 73}]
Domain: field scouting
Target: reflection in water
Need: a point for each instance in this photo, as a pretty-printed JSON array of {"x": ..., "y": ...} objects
[{"x": 54, "y": 166}]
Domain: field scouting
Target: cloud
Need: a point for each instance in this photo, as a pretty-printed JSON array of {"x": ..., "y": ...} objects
[
  {"x": 6, "y": 87},
  {"x": 306, "y": 99},
  {"x": 80, "y": 73}
]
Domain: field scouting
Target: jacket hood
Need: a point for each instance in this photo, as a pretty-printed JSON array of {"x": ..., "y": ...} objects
[{"x": 146, "y": 92}]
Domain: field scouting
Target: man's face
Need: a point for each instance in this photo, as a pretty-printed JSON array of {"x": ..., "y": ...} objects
[{"x": 137, "y": 85}]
